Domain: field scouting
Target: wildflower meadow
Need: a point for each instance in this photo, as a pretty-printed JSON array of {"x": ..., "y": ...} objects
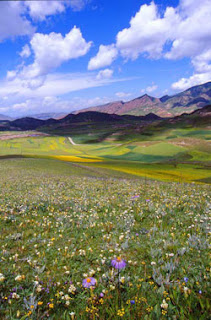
[{"x": 81, "y": 244}]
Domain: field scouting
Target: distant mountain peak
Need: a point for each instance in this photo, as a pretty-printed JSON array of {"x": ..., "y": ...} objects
[{"x": 145, "y": 96}]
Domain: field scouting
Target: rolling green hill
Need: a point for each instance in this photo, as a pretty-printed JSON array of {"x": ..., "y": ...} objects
[{"x": 174, "y": 149}]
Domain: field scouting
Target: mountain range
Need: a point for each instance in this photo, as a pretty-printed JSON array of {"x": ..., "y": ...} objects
[
  {"x": 89, "y": 119},
  {"x": 166, "y": 106}
]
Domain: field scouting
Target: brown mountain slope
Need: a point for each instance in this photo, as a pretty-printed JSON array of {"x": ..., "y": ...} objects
[{"x": 167, "y": 106}]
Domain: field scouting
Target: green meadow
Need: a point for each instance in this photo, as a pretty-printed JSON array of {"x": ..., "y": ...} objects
[
  {"x": 85, "y": 242},
  {"x": 170, "y": 155},
  {"x": 103, "y": 226}
]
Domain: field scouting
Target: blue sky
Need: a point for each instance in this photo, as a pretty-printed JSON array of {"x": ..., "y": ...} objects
[{"x": 59, "y": 56}]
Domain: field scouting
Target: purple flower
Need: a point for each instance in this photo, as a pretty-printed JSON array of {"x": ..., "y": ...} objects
[
  {"x": 132, "y": 301},
  {"x": 134, "y": 197},
  {"x": 101, "y": 295},
  {"x": 89, "y": 282},
  {"x": 186, "y": 279},
  {"x": 200, "y": 292},
  {"x": 118, "y": 263}
]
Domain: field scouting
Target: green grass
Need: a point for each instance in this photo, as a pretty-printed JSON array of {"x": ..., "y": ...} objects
[
  {"x": 63, "y": 222},
  {"x": 183, "y": 157}
]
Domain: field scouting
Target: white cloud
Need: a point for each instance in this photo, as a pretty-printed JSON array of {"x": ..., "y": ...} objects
[
  {"x": 186, "y": 29},
  {"x": 12, "y": 21},
  {"x": 105, "y": 74},
  {"x": 11, "y": 74},
  {"x": 22, "y": 99},
  {"x": 52, "y": 104},
  {"x": 78, "y": 5},
  {"x": 26, "y": 52},
  {"x": 105, "y": 56},
  {"x": 39, "y": 10},
  {"x": 14, "y": 15},
  {"x": 193, "y": 34},
  {"x": 151, "y": 88},
  {"x": 123, "y": 94},
  {"x": 55, "y": 85},
  {"x": 195, "y": 79},
  {"x": 51, "y": 50},
  {"x": 202, "y": 74},
  {"x": 148, "y": 32}
]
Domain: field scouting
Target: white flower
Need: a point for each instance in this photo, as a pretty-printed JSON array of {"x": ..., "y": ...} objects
[
  {"x": 39, "y": 288},
  {"x": 72, "y": 314},
  {"x": 153, "y": 263},
  {"x": 164, "y": 305},
  {"x": 1, "y": 277},
  {"x": 91, "y": 273},
  {"x": 15, "y": 295},
  {"x": 72, "y": 289},
  {"x": 121, "y": 237},
  {"x": 18, "y": 278}
]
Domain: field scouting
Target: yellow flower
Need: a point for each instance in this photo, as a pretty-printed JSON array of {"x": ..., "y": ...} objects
[
  {"x": 121, "y": 312},
  {"x": 51, "y": 305},
  {"x": 40, "y": 303}
]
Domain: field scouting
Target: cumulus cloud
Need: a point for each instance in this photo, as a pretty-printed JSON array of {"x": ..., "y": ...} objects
[
  {"x": 51, "y": 50},
  {"x": 39, "y": 10},
  {"x": 105, "y": 74},
  {"x": 193, "y": 33},
  {"x": 195, "y": 79},
  {"x": 202, "y": 74},
  {"x": 186, "y": 29},
  {"x": 148, "y": 32},
  {"x": 105, "y": 56}
]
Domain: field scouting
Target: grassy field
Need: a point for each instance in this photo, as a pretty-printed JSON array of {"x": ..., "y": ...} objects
[
  {"x": 62, "y": 224},
  {"x": 171, "y": 155}
]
